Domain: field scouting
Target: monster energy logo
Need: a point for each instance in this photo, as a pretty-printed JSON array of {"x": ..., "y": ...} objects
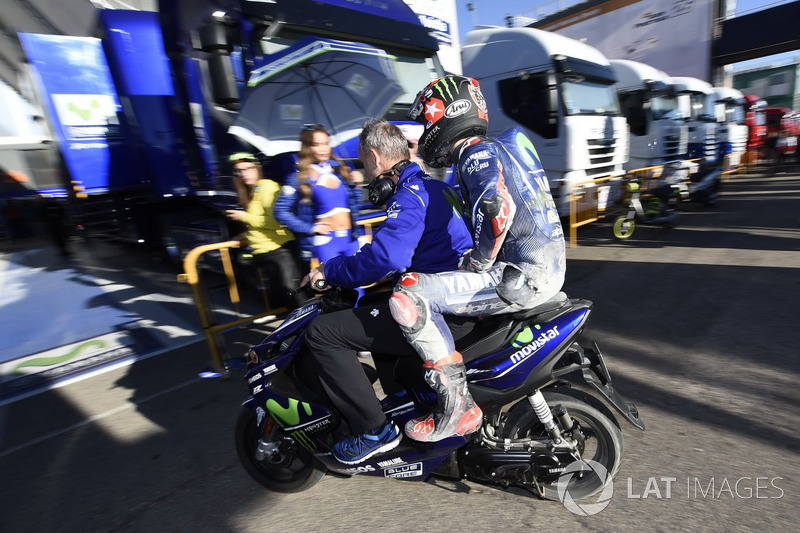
[
  {"x": 301, "y": 437},
  {"x": 443, "y": 84},
  {"x": 290, "y": 416}
]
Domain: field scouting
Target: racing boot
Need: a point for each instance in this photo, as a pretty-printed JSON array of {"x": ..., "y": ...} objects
[{"x": 455, "y": 412}]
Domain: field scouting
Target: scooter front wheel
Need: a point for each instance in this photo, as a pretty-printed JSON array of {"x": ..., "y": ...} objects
[
  {"x": 623, "y": 227},
  {"x": 287, "y": 468}
]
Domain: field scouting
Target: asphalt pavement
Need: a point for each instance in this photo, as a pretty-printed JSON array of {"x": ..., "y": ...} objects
[{"x": 697, "y": 323}]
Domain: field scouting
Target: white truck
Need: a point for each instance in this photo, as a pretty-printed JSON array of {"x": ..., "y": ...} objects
[
  {"x": 561, "y": 91},
  {"x": 704, "y": 117},
  {"x": 732, "y": 132},
  {"x": 655, "y": 114},
  {"x": 28, "y": 153}
]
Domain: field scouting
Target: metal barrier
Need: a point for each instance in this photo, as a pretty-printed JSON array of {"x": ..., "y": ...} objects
[
  {"x": 735, "y": 162},
  {"x": 588, "y": 204},
  {"x": 213, "y": 330}
]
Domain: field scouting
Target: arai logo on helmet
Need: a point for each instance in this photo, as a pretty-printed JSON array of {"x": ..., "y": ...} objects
[{"x": 457, "y": 108}]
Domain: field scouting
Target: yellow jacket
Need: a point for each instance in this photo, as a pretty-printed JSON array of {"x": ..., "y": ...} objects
[{"x": 264, "y": 233}]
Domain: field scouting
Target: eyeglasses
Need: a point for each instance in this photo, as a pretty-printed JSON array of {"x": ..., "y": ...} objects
[{"x": 309, "y": 127}]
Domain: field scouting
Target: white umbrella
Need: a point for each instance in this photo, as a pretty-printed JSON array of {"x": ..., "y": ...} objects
[{"x": 317, "y": 81}]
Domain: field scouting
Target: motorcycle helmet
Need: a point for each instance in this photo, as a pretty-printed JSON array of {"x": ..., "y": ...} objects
[{"x": 450, "y": 109}]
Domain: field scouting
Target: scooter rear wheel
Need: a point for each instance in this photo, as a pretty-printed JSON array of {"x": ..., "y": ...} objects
[
  {"x": 601, "y": 450},
  {"x": 290, "y": 468},
  {"x": 623, "y": 227}
]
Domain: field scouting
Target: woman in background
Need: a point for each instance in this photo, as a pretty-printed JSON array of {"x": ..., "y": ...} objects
[
  {"x": 319, "y": 202},
  {"x": 272, "y": 245}
]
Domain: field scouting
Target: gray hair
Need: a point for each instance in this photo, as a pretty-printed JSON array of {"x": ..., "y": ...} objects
[{"x": 384, "y": 137}]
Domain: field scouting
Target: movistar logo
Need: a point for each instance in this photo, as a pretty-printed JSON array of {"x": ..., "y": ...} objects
[
  {"x": 287, "y": 416},
  {"x": 83, "y": 112},
  {"x": 526, "y": 336},
  {"x": 445, "y": 84}
]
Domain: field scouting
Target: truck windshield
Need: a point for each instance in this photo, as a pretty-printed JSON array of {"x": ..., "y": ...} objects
[
  {"x": 413, "y": 72},
  {"x": 664, "y": 107},
  {"x": 584, "y": 96},
  {"x": 699, "y": 109},
  {"x": 734, "y": 113}
]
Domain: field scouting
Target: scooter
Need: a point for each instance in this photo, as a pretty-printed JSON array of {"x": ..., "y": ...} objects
[
  {"x": 656, "y": 206},
  {"x": 704, "y": 186},
  {"x": 553, "y": 436}
]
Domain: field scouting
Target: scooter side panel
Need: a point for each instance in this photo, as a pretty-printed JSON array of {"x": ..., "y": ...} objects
[{"x": 510, "y": 367}]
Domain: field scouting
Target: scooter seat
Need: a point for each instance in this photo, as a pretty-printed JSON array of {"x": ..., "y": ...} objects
[{"x": 556, "y": 302}]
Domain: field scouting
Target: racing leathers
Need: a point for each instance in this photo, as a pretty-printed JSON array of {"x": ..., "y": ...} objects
[
  {"x": 424, "y": 230},
  {"x": 517, "y": 261}
]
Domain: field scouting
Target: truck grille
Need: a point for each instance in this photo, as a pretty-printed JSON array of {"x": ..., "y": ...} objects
[
  {"x": 601, "y": 151},
  {"x": 711, "y": 146},
  {"x": 672, "y": 144}
]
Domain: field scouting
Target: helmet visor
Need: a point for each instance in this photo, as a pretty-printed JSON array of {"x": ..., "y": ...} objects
[{"x": 415, "y": 112}]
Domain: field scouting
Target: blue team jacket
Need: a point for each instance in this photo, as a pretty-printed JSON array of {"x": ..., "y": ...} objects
[{"x": 425, "y": 231}]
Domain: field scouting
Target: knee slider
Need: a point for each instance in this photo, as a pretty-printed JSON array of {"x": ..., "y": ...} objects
[{"x": 408, "y": 310}]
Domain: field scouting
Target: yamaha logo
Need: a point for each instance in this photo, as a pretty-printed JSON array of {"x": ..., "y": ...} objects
[{"x": 457, "y": 108}]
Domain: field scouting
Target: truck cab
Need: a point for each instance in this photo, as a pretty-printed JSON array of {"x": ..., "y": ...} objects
[
  {"x": 782, "y": 131},
  {"x": 561, "y": 92},
  {"x": 704, "y": 117},
  {"x": 655, "y": 114},
  {"x": 732, "y": 131},
  {"x": 756, "y": 120}
]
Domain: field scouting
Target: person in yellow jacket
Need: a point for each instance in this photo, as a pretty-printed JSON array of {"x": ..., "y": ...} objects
[{"x": 272, "y": 245}]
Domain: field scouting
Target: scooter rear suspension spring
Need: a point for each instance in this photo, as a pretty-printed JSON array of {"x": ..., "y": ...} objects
[{"x": 544, "y": 415}]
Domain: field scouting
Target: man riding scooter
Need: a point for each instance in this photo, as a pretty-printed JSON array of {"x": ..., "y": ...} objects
[{"x": 424, "y": 231}]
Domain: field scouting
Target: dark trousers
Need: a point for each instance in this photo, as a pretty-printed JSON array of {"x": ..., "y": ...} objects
[
  {"x": 281, "y": 274},
  {"x": 334, "y": 340}
]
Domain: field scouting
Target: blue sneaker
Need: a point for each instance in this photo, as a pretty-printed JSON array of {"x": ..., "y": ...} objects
[{"x": 361, "y": 447}]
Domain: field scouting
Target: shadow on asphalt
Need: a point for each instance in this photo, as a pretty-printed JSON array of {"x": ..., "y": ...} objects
[{"x": 69, "y": 468}]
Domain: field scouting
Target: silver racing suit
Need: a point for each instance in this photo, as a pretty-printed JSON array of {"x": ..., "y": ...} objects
[{"x": 518, "y": 258}]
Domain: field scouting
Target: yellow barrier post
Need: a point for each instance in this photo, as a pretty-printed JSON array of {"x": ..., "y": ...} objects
[
  {"x": 584, "y": 201},
  {"x": 191, "y": 275}
]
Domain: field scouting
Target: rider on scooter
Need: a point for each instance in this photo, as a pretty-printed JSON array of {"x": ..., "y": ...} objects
[
  {"x": 424, "y": 231},
  {"x": 518, "y": 259}
]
